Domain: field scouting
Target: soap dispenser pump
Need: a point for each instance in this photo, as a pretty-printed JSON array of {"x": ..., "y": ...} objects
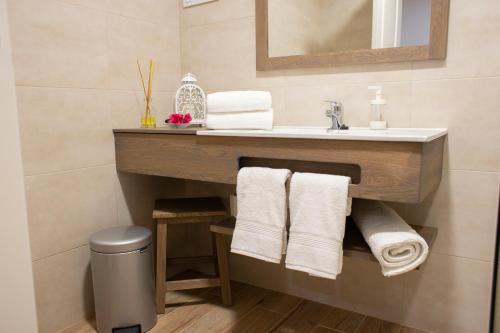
[{"x": 377, "y": 107}]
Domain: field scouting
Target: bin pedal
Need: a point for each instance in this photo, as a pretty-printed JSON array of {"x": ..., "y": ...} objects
[{"x": 129, "y": 329}]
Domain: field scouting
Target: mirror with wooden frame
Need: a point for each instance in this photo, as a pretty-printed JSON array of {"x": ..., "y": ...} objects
[{"x": 323, "y": 33}]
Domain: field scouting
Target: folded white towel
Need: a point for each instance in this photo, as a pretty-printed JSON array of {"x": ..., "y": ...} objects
[
  {"x": 318, "y": 209},
  {"x": 259, "y": 120},
  {"x": 394, "y": 243},
  {"x": 236, "y": 101},
  {"x": 260, "y": 230}
]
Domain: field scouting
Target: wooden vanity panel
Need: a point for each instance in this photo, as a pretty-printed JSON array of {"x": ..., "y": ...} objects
[
  {"x": 390, "y": 171},
  {"x": 430, "y": 177},
  {"x": 352, "y": 171},
  {"x": 176, "y": 156}
]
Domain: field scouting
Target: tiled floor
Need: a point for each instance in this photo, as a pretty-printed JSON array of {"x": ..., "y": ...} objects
[{"x": 256, "y": 310}]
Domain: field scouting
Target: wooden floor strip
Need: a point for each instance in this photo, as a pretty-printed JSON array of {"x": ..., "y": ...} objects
[
  {"x": 351, "y": 324},
  {"x": 185, "y": 315},
  {"x": 323, "y": 329},
  {"x": 411, "y": 330},
  {"x": 255, "y": 310},
  {"x": 220, "y": 318},
  {"x": 174, "y": 299},
  {"x": 342, "y": 320},
  {"x": 305, "y": 318},
  {"x": 374, "y": 325},
  {"x": 258, "y": 320},
  {"x": 280, "y": 303}
]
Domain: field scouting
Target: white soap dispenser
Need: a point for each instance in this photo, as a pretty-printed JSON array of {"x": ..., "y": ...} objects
[{"x": 377, "y": 107}]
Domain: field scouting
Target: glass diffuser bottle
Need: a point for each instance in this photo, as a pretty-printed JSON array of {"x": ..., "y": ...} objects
[{"x": 147, "y": 120}]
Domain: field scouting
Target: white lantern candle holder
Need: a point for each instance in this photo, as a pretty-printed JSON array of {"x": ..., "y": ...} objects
[{"x": 190, "y": 98}]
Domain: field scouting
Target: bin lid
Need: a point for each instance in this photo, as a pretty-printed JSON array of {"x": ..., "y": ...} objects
[{"x": 120, "y": 239}]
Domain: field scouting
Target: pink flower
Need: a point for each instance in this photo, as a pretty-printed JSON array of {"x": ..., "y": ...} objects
[
  {"x": 177, "y": 118},
  {"x": 187, "y": 118}
]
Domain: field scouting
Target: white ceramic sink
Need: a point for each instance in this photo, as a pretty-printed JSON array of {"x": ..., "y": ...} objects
[{"x": 354, "y": 133}]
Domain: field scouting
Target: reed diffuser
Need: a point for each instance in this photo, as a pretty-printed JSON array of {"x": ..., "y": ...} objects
[{"x": 147, "y": 120}]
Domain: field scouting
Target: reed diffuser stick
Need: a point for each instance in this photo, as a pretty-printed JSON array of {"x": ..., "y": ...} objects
[
  {"x": 143, "y": 87},
  {"x": 150, "y": 84},
  {"x": 142, "y": 78}
]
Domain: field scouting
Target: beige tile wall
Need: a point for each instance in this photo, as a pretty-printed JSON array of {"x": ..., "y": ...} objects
[
  {"x": 76, "y": 77},
  {"x": 16, "y": 287},
  {"x": 452, "y": 292},
  {"x": 294, "y": 26}
]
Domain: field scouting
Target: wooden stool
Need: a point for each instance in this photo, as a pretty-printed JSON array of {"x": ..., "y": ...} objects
[{"x": 183, "y": 211}]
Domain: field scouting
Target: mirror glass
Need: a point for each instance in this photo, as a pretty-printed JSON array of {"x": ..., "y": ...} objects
[{"x": 301, "y": 27}]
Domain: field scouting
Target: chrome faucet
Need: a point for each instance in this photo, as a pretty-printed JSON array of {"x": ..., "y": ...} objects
[{"x": 336, "y": 114}]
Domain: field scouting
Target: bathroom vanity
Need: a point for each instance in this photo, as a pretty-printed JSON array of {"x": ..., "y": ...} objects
[{"x": 398, "y": 165}]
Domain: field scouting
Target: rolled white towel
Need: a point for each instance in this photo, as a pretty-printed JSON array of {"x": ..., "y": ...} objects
[
  {"x": 257, "y": 120},
  {"x": 238, "y": 101},
  {"x": 397, "y": 247}
]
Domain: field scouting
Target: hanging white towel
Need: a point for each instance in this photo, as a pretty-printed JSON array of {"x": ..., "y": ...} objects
[
  {"x": 260, "y": 230},
  {"x": 257, "y": 120},
  {"x": 397, "y": 247},
  {"x": 237, "y": 101},
  {"x": 318, "y": 209}
]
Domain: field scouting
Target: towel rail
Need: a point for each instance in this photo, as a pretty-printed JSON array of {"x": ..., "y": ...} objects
[
  {"x": 354, "y": 244},
  {"x": 331, "y": 168}
]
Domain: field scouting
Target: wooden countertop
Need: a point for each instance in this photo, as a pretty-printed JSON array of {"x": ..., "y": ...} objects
[
  {"x": 309, "y": 133},
  {"x": 160, "y": 130}
]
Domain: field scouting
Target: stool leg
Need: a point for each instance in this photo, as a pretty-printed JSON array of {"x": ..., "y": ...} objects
[
  {"x": 214, "y": 253},
  {"x": 161, "y": 263},
  {"x": 222, "y": 260}
]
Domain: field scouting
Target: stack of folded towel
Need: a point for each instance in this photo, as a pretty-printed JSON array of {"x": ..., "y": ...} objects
[{"x": 239, "y": 110}]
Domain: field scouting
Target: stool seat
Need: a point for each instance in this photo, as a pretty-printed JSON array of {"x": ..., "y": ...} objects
[
  {"x": 183, "y": 211},
  {"x": 188, "y": 208},
  {"x": 224, "y": 227}
]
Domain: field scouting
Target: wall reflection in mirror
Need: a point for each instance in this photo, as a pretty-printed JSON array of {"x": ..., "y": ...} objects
[{"x": 301, "y": 27}]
